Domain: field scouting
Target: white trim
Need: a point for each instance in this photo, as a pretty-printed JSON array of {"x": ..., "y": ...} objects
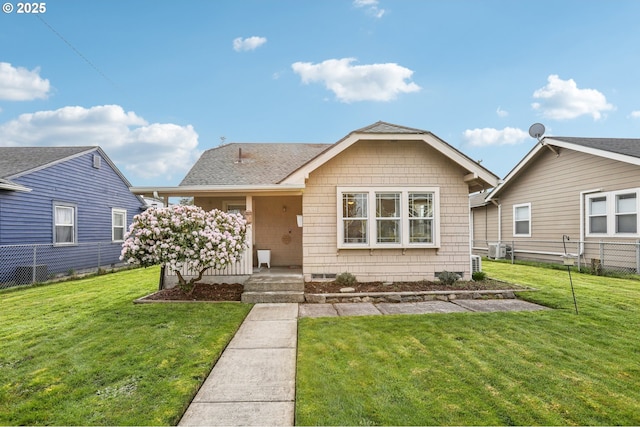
[
  {"x": 515, "y": 207},
  {"x": 300, "y": 175},
  {"x": 122, "y": 212},
  {"x": 74, "y": 210},
  {"x": 372, "y": 219},
  {"x": 610, "y": 197}
]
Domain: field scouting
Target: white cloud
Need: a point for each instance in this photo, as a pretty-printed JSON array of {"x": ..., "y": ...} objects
[
  {"x": 250, "y": 43},
  {"x": 374, "y": 82},
  {"x": 20, "y": 84},
  {"x": 635, "y": 114},
  {"x": 371, "y": 6},
  {"x": 139, "y": 149},
  {"x": 502, "y": 113},
  {"x": 562, "y": 99},
  {"x": 489, "y": 136}
]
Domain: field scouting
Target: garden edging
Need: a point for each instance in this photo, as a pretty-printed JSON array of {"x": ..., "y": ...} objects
[{"x": 408, "y": 296}]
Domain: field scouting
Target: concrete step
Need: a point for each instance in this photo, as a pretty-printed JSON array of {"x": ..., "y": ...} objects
[
  {"x": 272, "y": 297},
  {"x": 271, "y": 286}
]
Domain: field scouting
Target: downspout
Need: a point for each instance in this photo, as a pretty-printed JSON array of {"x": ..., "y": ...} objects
[
  {"x": 500, "y": 222},
  {"x": 582, "y": 219}
]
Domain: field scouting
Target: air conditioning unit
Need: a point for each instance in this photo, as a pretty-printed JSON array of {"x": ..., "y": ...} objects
[
  {"x": 497, "y": 251},
  {"x": 476, "y": 263}
]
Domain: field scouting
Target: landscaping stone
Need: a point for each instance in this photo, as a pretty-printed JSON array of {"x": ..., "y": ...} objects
[{"x": 347, "y": 290}]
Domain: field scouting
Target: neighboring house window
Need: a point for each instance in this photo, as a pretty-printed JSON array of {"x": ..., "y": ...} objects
[
  {"x": 598, "y": 215},
  {"x": 626, "y": 213},
  {"x": 64, "y": 224},
  {"x": 401, "y": 218},
  {"x": 118, "y": 224},
  {"x": 612, "y": 213},
  {"x": 522, "y": 220}
]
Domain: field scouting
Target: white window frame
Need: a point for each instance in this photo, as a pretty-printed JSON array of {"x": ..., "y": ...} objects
[
  {"x": 74, "y": 225},
  {"x": 404, "y": 218},
  {"x": 114, "y": 212},
  {"x": 611, "y": 198},
  {"x": 515, "y": 208},
  {"x": 234, "y": 206}
]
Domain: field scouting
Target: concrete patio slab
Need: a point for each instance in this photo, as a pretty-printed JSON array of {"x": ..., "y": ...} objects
[
  {"x": 251, "y": 375},
  {"x": 266, "y": 334},
  {"x": 240, "y": 414},
  {"x": 317, "y": 310},
  {"x": 356, "y": 309},
  {"x": 422, "y": 307},
  {"x": 490, "y": 305}
]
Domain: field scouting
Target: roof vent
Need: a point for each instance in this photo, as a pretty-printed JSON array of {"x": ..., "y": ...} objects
[{"x": 97, "y": 161}]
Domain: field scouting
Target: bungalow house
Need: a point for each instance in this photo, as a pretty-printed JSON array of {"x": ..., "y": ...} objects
[
  {"x": 584, "y": 188},
  {"x": 385, "y": 203},
  {"x": 61, "y": 209}
]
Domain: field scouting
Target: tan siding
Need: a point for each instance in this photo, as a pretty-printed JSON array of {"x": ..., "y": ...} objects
[
  {"x": 383, "y": 163},
  {"x": 553, "y": 184},
  {"x": 485, "y": 225}
]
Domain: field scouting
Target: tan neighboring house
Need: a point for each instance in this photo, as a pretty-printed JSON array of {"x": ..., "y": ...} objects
[
  {"x": 585, "y": 188},
  {"x": 385, "y": 203}
]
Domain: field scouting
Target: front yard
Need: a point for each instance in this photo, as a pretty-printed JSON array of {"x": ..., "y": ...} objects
[
  {"x": 81, "y": 353},
  {"x": 520, "y": 368}
]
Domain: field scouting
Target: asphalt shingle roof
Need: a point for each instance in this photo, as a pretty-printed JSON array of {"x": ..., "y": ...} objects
[
  {"x": 17, "y": 160},
  {"x": 250, "y": 163},
  {"x": 625, "y": 146}
]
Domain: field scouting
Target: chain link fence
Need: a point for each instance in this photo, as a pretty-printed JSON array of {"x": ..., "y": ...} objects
[
  {"x": 26, "y": 264},
  {"x": 597, "y": 257}
]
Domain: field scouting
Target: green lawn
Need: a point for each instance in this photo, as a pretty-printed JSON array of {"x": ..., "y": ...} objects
[
  {"x": 81, "y": 353},
  {"x": 523, "y": 368}
]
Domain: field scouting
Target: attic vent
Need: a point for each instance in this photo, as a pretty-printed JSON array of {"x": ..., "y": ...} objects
[{"x": 97, "y": 161}]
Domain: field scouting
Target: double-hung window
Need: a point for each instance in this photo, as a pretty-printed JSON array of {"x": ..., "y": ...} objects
[
  {"x": 355, "y": 227},
  {"x": 612, "y": 213},
  {"x": 522, "y": 220},
  {"x": 118, "y": 224},
  {"x": 387, "y": 217},
  {"x": 64, "y": 224}
]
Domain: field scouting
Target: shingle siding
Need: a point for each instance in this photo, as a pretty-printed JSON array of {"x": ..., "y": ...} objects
[{"x": 384, "y": 163}]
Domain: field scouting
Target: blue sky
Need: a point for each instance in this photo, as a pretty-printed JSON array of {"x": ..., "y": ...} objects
[{"x": 157, "y": 82}]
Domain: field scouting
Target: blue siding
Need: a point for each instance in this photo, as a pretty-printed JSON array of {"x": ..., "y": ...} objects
[{"x": 27, "y": 218}]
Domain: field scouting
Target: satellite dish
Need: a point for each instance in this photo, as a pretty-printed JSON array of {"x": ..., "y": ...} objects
[{"x": 536, "y": 130}]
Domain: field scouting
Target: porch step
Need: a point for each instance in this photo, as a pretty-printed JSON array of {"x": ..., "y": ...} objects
[
  {"x": 269, "y": 288},
  {"x": 272, "y": 296}
]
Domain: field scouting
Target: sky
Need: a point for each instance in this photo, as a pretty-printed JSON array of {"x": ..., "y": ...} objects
[{"x": 155, "y": 83}]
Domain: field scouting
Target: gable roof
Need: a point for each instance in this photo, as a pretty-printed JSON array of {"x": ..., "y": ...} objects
[
  {"x": 626, "y": 150},
  {"x": 250, "y": 163},
  {"x": 19, "y": 161},
  {"x": 478, "y": 177}
]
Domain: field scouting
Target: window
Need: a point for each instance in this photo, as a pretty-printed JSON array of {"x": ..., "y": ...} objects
[
  {"x": 421, "y": 217},
  {"x": 612, "y": 213},
  {"x": 64, "y": 224},
  {"x": 388, "y": 217},
  {"x": 354, "y": 217},
  {"x": 626, "y": 216},
  {"x": 402, "y": 217},
  {"x": 522, "y": 220},
  {"x": 118, "y": 224},
  {"x": 598, "y": 215}
]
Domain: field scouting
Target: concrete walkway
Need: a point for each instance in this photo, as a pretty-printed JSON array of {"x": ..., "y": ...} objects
[{"x": 253, "y": 383}]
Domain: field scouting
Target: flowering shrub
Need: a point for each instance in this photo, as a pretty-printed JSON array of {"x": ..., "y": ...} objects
[{"x": 185, "y": 236}]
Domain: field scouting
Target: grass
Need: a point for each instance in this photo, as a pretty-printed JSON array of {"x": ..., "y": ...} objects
[
  {"x": 520, "y": 368},
  {"x": 81, "y": 353}
]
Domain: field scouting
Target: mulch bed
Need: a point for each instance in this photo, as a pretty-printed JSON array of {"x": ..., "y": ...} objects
[
  {"x": 201, "y": 292},
  {"x": 334, "y": 288},
  {"x": 233, "y": 292}
]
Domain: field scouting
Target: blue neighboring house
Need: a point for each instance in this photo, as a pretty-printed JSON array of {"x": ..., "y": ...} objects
[{"x": 68, "y": 206}]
